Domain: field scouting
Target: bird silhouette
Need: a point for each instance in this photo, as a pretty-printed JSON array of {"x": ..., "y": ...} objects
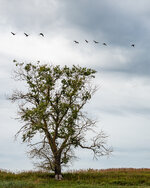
[
  {"x": 86, "y": 41},
  {"x": 95, "y": 42},
  {"x": 76, "y": 42},
  {"x": 41, "y": 34},
  {"x": 104, "y": 44},
  {"x": 13, "y": 33},
  {"x": 133, "y": 45},
  {"x": 26, "y": 34}
]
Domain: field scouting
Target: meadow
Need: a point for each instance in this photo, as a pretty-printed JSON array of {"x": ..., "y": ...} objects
[{"x": 110, "y": 178}]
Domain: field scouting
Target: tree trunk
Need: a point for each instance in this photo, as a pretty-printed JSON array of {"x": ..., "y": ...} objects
[{"x": 58, "y": 175}]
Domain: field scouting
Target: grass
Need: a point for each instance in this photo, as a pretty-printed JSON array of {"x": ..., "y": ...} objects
[{"x": 120, "y": 178}]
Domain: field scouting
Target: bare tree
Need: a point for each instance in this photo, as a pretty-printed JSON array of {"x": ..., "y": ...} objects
[{"x": 52, "y": 108}]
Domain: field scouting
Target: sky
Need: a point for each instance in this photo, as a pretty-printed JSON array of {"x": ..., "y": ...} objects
[{"x": 122, "y": 103}]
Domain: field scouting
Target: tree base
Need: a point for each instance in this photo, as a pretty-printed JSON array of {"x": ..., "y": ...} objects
[{"x": 58, "y": 177}]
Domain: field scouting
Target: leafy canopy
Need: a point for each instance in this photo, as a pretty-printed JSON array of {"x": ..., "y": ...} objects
[{"x": 52, "y": 107}]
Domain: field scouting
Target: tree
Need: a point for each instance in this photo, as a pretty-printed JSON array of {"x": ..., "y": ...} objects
[{"x": 51, "y": 107}]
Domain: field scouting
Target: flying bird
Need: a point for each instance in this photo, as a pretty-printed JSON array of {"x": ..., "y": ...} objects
[
  {"x": 26, "y": 34},
  {"x": 133, "y": 45},
  {"x": 41, "y": 34},
  {"x": 76, "y": 42},
  {"x": 95, "y": 42},
  {"x": 13, "y": 33},
  {"x": 86, "y": 41},
  {"x": 104, "y": 44}
]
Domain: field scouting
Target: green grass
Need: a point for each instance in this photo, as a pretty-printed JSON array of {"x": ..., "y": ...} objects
[{"x": 120, "y": 178}]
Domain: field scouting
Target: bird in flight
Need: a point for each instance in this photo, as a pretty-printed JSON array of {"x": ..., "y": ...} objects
[
  {"x": 26, "y": 34},
  {"x": 76, "y": 42},
  {"x": 104, "y": 44},
  {"x": 13, "y": 33},
  {"x": 95, "y": 42},
  {"x": 41, "y": 34},
  {"x": 86, "y": 41},
  {"x": 133, "y": 45}
]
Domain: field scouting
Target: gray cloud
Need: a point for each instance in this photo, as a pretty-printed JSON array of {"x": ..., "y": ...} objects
[
  {"x": 115, "y": 22},
  {"x": 139, "y": 64},
  {"x": 29, "y": 15},
  {"x": 103, "y": 20},
  {"x": 106, "y": 20}
]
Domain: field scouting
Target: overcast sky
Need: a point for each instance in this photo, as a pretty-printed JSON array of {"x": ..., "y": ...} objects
[{"x": 122, "y": 103}]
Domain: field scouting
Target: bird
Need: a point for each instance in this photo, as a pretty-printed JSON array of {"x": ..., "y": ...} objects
[
  {"x": 14, "y": 61},
  {"x": 104, "y": 44},
  {"x": 41, "y": 34},
  {"x": 95, "y": 42},
  {"x": 133, "y": 45},
  {"x": 26, "y": 34},
  {"x": 76, "y": 42},
  {"x": 86, "y": 41},
  {"x": 13, "y": 33}
]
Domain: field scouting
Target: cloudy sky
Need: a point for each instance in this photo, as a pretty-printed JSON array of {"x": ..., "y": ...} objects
[{"x": 122, "y": 103}]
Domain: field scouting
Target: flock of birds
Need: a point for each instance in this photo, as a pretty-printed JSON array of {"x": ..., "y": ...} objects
[
  {"x": 96, "y": 42},
  {"x": 75, "y": 41},
  {"x": 27, "y": 34}
]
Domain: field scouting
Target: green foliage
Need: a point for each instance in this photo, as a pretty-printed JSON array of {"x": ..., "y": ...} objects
[{"x": 49, "y": 103}]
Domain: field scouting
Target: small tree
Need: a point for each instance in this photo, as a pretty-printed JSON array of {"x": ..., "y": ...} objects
[{"x": 52, "y": 106}]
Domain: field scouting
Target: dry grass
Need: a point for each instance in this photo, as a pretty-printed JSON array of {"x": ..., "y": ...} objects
[{"x": 127, "y": 177}]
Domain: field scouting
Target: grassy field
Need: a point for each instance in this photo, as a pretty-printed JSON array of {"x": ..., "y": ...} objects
[{"x": 123, "y": 178}]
